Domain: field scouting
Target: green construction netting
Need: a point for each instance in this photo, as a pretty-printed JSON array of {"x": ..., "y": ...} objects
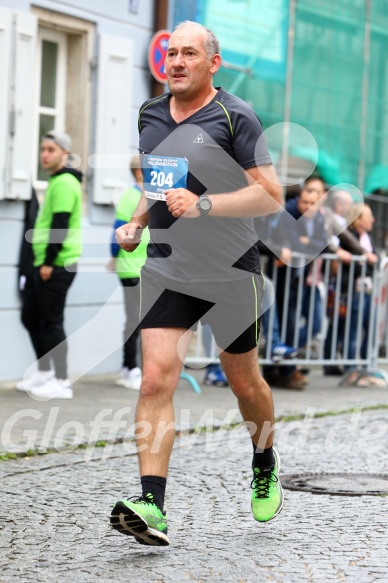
[{"x": 337, "y": 78}]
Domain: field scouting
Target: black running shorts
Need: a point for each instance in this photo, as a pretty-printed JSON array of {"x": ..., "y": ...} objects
[{"x": 232, "y": 309}]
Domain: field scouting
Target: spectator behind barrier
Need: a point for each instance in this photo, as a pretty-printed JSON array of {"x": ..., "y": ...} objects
[
  {"x": 361, "y": 227},
  {"x": 338, "y": 210},
  {"x": 128, "y": 267},
  {"x": 308, "y": 238},
  {"x": 268, "y": 248}
]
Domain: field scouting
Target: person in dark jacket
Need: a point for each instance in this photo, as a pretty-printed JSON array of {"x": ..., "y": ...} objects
[
  {"x": 268, "y": 248},
  {"x": 344, "y": 244},
  {"x": 26, "y": 256},
  {"x": 309, "y": 238}
]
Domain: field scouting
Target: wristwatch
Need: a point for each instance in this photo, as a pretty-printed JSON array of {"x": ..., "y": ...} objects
[{"x": 204, "y": 204}]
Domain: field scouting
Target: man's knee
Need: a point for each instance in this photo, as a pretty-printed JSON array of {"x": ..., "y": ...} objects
[
  {"x": 156, "y": 383},
  {"x": 247, "y": 387}
]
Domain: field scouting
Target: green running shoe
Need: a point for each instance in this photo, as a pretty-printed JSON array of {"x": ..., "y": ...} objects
[
  {"x": 267, "y": 495},
  {"x": 141, "y": 518}
]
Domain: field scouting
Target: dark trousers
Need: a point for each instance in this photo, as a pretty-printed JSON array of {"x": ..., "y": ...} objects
[
  {"x": 43, "y": 314},
  {"x": 292, "y": 323},
  {"x": 356, "y": 307},
  {"x": 131, "y": 289}
]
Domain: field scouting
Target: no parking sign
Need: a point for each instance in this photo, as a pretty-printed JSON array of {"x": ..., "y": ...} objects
[{"x": 157, "y": 54}]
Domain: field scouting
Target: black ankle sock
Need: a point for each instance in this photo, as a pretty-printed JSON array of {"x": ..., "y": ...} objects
[
  {"x": 263, "y": 458},
  {"x": 156, "y": 485}
]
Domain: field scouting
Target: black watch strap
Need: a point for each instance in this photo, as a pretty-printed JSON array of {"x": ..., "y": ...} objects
[{"x": 204, "y": 204}]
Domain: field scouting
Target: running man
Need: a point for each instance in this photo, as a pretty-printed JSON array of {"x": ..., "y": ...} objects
[{"x": 202, "y": 263}]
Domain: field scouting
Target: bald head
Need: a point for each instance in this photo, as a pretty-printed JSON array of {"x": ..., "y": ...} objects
[
  {"x": 210, "y": 41},
  {"x": 342, "y": 201}
]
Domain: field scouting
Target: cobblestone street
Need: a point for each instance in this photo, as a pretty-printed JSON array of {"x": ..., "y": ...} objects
[{"x": 55, "y": 508}]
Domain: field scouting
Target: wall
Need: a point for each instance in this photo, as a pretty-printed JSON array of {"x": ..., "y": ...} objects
[{"x": 94, "y": 313}]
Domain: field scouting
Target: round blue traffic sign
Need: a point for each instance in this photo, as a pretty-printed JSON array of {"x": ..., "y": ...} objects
[{"x": 157, "y": 54}]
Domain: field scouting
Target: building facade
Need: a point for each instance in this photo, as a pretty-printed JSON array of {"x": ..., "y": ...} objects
[{"x": 80, "y": 67}]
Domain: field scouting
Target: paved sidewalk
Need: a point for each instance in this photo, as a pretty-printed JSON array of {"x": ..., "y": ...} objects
[{"x": 103, "y": 411}]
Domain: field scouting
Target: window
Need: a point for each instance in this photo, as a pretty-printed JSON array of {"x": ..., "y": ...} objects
[{"x": 50, "y": 98}]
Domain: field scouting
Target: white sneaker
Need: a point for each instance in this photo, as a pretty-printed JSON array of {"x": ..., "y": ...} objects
[
  {"x": 36, "y": 379},
  {"x": 133, "y": 380},
  {"x": 53, "y": 389},
  {"x": 123, "y": 375}
]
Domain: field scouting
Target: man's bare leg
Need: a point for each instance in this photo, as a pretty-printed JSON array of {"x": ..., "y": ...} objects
[
  {"x": 155, "y": 413},
  {"x": 143, "y": 518},
  {"x": 252, "y": 392},
  {"x": 256, "y": 406}
]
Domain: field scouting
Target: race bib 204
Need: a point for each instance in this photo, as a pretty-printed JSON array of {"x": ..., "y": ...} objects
[{"x": 163, "y": 172}]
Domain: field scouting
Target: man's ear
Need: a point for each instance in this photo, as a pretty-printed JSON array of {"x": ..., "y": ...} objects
[{"x": 216, "y": 63}]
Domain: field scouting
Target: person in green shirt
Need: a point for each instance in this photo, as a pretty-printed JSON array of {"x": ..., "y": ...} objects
[
  {"x": 128, "y": 267},
  {"x": 56, "y": 245}
]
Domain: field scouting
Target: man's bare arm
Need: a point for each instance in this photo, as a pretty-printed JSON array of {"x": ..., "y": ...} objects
[
  {"x": 263, "y": 196},
  {"x": 140, "y": 216},
  {"x": 128, "y": 236}
]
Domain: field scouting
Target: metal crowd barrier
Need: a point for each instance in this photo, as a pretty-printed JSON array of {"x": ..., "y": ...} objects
[
  {"x": 380, "y": 355},
  {"x": 336, "y": 297}
]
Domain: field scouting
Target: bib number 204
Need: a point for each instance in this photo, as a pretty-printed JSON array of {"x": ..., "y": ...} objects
[{"x": 161, "y": 179}]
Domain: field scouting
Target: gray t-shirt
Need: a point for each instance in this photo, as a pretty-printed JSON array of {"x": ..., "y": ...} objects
[{"x": 206, "y": 153}]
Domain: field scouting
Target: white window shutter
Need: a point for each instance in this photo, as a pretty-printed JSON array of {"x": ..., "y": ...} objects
[
  {"x": 23, "y": 106},
  {"x": 5, "y": 63},
  {"x": 113, "y": 131}
]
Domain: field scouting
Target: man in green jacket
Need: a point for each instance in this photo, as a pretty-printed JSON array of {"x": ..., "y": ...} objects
[
  {"x": 56, "y": 244},
  {"x": 128, "y": 266}
]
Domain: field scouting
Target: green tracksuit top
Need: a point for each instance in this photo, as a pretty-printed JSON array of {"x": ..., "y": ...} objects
[
  {"x": 63, "y": 195},
  {"x": 128, "y": 265}
]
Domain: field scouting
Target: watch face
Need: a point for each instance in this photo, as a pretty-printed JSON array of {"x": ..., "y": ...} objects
[{"x": 205, "y": 204}]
